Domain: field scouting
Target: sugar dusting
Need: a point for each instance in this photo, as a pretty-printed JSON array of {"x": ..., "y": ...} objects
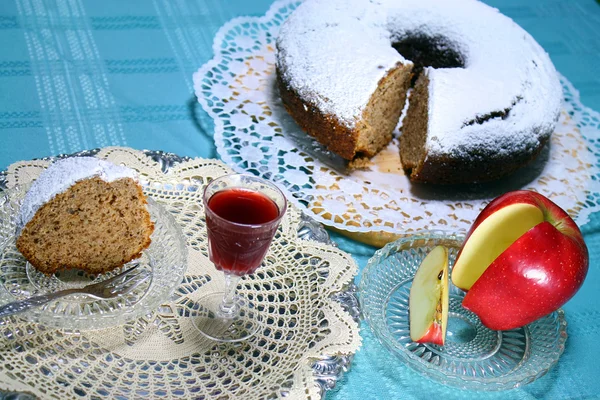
[
  {"x": 334, "y": 52},
  {"x": 63, "y": 174}
]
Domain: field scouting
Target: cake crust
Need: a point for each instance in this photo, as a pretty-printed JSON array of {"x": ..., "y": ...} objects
[
  {"x": 325, "y": 128},
  {"x": 453, "y": 170}
]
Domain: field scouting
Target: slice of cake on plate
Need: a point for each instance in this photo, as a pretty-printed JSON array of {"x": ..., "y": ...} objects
[{"x": 84, "y": 213}]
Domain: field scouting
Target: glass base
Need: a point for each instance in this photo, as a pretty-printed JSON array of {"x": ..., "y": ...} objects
[{"x": 240, "y": 324}]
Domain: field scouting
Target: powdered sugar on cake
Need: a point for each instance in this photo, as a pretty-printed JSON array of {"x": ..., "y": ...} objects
[
  {"x": 63, "y": 174},
  {"x": 334, "y": 53}
]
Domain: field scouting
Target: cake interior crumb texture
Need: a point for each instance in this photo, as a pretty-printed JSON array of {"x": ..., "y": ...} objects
[
  {"x": 381, "y": 115},
  {"x": 94, "y": 225},
  {"x": 414, "y": 128}
]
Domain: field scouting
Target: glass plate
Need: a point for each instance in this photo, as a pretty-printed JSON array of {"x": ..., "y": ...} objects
[
  {"x": 165, "y": 258},
  {"x": 474, "y": 357}
]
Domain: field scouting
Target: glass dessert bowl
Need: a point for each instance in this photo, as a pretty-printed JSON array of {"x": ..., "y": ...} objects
[{"x": 473, "y": 356}]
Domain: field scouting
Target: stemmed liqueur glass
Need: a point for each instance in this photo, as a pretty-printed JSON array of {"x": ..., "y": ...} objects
[{"x": 242, "y": 216}]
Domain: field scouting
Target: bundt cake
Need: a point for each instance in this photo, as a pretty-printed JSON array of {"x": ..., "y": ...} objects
[
  {"x": 83, "y": 213},
  {"x": 486, "y": 96}
]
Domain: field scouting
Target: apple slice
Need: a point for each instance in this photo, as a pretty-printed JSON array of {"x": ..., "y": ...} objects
[
  {"x": 428, "y": 300},
  {"x": 523, "y": 258},
  {"x": 491, "y": 238}
]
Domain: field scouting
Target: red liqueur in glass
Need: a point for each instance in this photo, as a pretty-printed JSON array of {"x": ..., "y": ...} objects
[
  {"x": 242, "y": 215},
  {"x": 241, "y": 224}
]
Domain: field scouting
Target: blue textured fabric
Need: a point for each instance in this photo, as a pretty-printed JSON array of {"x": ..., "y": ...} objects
[{"x": 81, "y": 74}]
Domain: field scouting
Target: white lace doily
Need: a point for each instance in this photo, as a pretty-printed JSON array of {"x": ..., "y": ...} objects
[
  {"x": 254, "y": 133},
  {"x": 162, "y": 355}
]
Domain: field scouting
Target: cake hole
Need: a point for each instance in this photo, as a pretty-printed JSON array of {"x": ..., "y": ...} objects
[{"x": 428, "y": 51}]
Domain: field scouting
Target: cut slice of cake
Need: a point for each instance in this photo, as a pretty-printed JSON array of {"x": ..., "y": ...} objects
[
  {"x": 84, "y": 213},
  {"x": 365, "y": 136}
]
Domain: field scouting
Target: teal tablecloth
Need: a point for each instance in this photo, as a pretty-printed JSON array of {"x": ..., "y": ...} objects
[{"x": 82, "y": 74}]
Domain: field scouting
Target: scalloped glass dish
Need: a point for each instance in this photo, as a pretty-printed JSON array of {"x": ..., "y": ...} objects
[
  {"x": 165, "y": 258},
  {"x": 474, "y": 357}
]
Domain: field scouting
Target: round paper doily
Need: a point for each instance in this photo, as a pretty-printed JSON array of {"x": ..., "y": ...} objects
[
  {"x": 254, "y": 133},
  {"x": 161, "y": 355}
]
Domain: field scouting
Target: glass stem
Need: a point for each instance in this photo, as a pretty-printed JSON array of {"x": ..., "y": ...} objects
[{"x": 228, "y": 307}]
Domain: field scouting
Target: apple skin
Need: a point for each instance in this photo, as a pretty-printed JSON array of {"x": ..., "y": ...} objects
[
  {"x": 536, "y": 274},
  {"x": 435, "y": 335}
]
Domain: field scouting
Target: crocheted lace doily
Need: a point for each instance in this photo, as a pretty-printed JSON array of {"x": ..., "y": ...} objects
[
  {"x": 162, "y": 355},
  {"x": 253, "y": 132}
]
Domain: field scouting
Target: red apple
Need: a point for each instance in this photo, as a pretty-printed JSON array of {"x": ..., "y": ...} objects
[
  {"x": 428, "y": 299},
  {"x": 523, "y": 258}
]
